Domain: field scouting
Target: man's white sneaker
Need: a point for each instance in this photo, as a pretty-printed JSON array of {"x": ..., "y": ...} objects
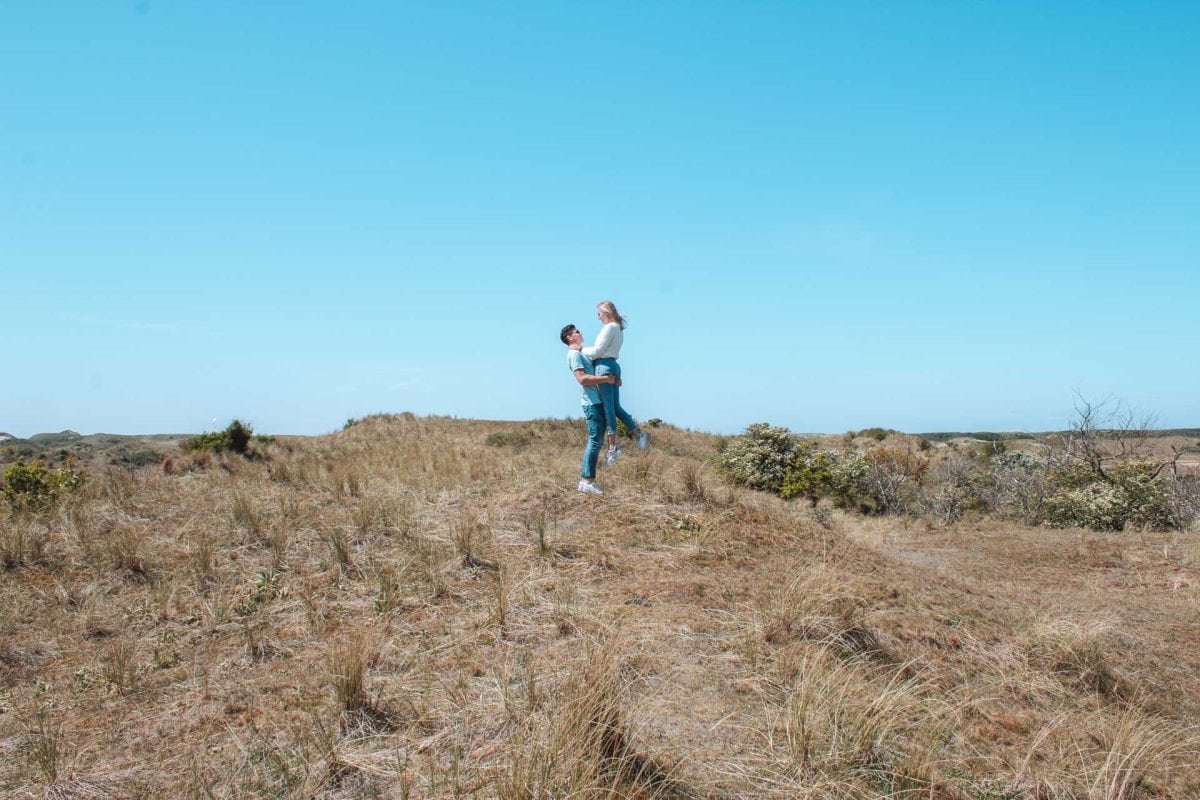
[
  {"x": 590, "y": 487},
  {"x": 613, "y": 455},
  {"x": 643, "y": 440}
]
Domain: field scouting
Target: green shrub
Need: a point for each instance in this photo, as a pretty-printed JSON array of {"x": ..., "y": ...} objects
[
  {"x": 32, "y": 487},
  {"x": 758, "y": 458},
  {"x": 842, "y": 475},
  {"x": 809, "y": 474},
  {"x": 883, "y": 480},
  {"x": 235, "y": 439}
]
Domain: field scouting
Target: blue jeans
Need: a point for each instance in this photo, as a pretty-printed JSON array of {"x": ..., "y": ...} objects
[
  {"x": 595, "y": 425},
  {"x": 610, "y": 396}
]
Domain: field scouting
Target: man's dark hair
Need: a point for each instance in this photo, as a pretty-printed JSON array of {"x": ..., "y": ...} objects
[{"x": 565, "y": 332}]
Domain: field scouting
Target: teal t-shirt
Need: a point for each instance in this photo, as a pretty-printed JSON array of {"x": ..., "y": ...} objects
[{"x": 577, "y": 360}]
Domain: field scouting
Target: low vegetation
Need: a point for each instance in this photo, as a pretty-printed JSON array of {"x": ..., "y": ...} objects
[
  {"x": 1103, "y": 478},
  {"x": 33, "y": 487},
  {"x": 426, "y": 608},
  {"x": 236, "y": 438}
]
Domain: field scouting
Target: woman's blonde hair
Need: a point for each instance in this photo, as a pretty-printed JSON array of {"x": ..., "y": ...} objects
[{"x": 608, "y": 308}]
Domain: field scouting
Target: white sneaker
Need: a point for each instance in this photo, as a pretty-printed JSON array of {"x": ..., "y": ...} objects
[
  {"x": 643, "y": 440},
  {"x": 613, "y": 455},
  {"x": 589, "y": 487}
]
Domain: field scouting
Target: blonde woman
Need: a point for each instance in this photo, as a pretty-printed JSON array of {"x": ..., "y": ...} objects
[{"x": 603, "y": 355}]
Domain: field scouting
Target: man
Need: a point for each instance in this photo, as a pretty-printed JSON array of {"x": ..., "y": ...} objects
[{"x": 593, "y": 409}]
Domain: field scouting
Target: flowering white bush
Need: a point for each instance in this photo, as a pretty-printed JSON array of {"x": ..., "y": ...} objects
[
  {"x": 848, "y": 473},
  {"x": 1129, "y": 494},
  {"x": 759, "y": 457}
]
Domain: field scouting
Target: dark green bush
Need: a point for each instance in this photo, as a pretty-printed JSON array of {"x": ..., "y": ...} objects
[
  {"x": 809, "y": 474},
  {"x": 234, "y": 439}
]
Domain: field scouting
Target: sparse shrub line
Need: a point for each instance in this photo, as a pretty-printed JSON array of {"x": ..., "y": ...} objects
[{"x": 1056, "y": 487}]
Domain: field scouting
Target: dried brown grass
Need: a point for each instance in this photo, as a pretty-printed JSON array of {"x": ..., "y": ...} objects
[{"x": 403, "y": 610}]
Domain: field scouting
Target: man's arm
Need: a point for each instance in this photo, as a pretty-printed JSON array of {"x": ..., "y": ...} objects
[{"x": 593, "y": 380}]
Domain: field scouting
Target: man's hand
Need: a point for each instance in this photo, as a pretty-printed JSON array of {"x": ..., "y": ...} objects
[{"x": 595, "y": 380}]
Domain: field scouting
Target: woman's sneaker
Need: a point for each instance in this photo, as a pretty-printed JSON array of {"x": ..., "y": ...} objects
[
  {"x": 613, "y": 455},
  {"x": 590, "y": 487},
  {"x": 643, "y": 440}
]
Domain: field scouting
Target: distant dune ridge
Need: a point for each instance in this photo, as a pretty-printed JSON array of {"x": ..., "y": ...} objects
[{"x": 96, "y": 449}]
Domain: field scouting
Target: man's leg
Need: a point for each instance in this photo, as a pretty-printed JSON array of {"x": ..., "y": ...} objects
[{"x": 594, "y": 415}]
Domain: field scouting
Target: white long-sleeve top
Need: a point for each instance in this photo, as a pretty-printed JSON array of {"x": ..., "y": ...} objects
[{"x": 608, "y": 343}]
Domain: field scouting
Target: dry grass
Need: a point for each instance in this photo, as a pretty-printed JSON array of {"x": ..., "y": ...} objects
[{"x": 422, "y": 607}]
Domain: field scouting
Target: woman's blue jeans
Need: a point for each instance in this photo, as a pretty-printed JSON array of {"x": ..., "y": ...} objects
[
  {"x": 610, "y": 396},
  {"x": 594, "y": 415}
]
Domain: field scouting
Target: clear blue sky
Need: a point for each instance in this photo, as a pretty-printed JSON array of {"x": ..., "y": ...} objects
[{"x": 924, "y": 216}]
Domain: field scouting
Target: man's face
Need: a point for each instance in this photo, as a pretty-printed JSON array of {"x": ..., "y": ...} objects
[{"x": 575, "y": 337}]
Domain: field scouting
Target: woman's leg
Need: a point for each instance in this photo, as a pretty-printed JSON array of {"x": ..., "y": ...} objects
[
  {"x": 643, "y": 439},
  {"x": 608, "y": 397},
  {"x": 619, "y": 412},
  {"x": 629, "y": 421}
]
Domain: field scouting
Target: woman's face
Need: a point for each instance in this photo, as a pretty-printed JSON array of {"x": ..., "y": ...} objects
[{"x": 603, "y": 315}]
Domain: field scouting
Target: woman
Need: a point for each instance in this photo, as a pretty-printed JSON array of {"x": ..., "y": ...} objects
[{"x": 603, "y": 355}]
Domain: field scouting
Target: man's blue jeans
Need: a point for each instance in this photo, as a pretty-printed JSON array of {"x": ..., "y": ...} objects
[
  {"x": 610, "y": 396},
  {"x": 594, "y": 415}
]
